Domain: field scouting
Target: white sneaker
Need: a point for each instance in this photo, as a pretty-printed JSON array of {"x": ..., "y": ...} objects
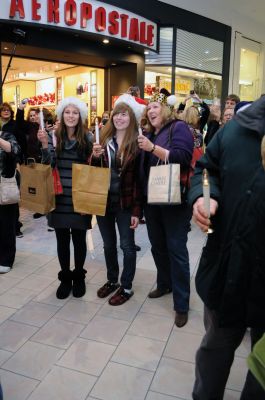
[{"x": 4, "y": 270}]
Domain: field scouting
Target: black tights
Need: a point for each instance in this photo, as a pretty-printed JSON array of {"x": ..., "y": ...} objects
[{"x": 63, "y": 236}]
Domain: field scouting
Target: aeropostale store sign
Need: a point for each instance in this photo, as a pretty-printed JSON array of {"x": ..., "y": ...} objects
[{"x": 87, "y": 16}]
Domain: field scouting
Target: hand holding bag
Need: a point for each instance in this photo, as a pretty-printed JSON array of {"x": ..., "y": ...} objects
[
  {"x": 9, "y": 191},
  {"x": 37, "y": 188},
  {"x": 164, "y": 184},
  {"x": 90, "y": 187}
]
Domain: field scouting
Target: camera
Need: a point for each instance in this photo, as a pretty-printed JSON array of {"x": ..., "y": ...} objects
[
  {"x": 49, "y": 121},
  {"x": 25, "y": 101}
]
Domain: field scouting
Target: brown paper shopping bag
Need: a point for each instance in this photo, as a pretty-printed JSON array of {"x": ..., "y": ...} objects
[
  {"x": 164, "y": 184},
  {"x": 37, "y": 192},
  {"x": 90, "y": 187}
]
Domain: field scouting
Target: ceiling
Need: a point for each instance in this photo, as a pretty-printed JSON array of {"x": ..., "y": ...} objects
[{"x": 22, "y": 68}]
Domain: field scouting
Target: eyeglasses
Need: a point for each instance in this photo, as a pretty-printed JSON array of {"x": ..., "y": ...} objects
[{"x": 5, "y": 109}]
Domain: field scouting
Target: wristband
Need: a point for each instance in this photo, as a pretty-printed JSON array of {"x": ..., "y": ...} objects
[{"x": 153, "y": 148}]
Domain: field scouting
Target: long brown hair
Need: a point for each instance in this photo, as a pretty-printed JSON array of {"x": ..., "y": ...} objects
[
  {"x": 7, "y": 105},
  {"x": 166, "y": 114},
  {"x": 80, "y": 135},
  {"x": 129, "y": 146}
]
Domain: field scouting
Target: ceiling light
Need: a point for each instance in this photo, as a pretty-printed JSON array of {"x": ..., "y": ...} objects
[
  {"x": 113, "y": 64},
  {"x": 146, "y": 52},
  {"x": 6, "y": 48},
  {"x": 206, "y": 52},
  {"x": 105, "y": 41}
]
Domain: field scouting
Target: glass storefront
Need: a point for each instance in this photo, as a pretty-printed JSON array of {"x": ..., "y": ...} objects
[
  {"x": 46, "y": 83},
  {"x": 247, "y": 81},
  {"x": 195, "y": 64}
]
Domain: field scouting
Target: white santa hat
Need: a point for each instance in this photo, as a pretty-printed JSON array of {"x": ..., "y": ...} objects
[
  {"x": 73, "y": 101},
  {"x": 132, "y": 103}
]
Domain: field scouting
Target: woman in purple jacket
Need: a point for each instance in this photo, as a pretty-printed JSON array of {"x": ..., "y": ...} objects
[{"x": 167, "y": 225}]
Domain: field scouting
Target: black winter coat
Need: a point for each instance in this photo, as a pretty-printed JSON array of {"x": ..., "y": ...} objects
[{"x": 231, "y": 273}]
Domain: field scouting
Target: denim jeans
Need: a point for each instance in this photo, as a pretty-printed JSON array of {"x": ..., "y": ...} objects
[
  {"x": 168, "y": 228},
  {"x": 107, "y": 229}
]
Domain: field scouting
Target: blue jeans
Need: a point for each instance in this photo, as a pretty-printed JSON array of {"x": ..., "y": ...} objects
[
  {"x": 168, "y": 228},
  {"x": 107, "y": 229}
]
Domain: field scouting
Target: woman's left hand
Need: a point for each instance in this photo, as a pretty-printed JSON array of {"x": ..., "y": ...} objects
[
  {"x": 144, "y": 143},
  {"x": 134, "y": 222},
  {"x": 43, "y": 138}
]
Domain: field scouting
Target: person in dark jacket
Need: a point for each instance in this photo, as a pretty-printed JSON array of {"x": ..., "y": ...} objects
[
  {"x": 231, "y": 273},
  {"x": 118, "y": 145},
  {"x": 8, "y": 124},
  {"x": 27, "y": 130},
  {"x": 73, "y": 145},
  {"x": 167, "y": 225},
  {"x": 9, "y": 150}
]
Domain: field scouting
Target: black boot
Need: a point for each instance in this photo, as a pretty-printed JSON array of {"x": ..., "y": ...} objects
[
  {"x": 79, "y": 286},
  {"x": 65, "y": 286}
]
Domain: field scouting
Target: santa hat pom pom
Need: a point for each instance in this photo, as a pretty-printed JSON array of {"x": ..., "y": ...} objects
[{"x": 171, "y": 100}]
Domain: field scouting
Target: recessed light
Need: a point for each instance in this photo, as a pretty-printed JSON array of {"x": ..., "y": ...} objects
[
  {"x": 6, "y": 48},
  {"x": 206, "y": 52},
  {"x": 113, "y": 64},
  {"x": 105, "y": 41},
  {"x": 146, "y": 52}
]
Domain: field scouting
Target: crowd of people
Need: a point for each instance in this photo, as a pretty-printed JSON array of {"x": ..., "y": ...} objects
[{"x": 135, "y": 137}]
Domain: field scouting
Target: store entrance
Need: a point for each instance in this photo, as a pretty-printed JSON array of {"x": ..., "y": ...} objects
[{"x": 45, "y": 83}]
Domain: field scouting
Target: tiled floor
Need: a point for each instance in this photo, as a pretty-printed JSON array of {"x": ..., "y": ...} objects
[{"x": 84, "y": 349}]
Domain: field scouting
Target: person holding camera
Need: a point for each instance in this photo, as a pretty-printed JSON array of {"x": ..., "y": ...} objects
[{"x": 202, "y": 107}]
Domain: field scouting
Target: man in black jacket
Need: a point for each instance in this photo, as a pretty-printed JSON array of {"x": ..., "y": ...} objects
[{"x": 231, "y": 274}]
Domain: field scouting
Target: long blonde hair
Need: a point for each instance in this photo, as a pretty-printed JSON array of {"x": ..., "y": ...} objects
[
  {"x": 167, "y": 115},
  {"x": 129, "y": 147},
  {"x": 191, "y": 116}
]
